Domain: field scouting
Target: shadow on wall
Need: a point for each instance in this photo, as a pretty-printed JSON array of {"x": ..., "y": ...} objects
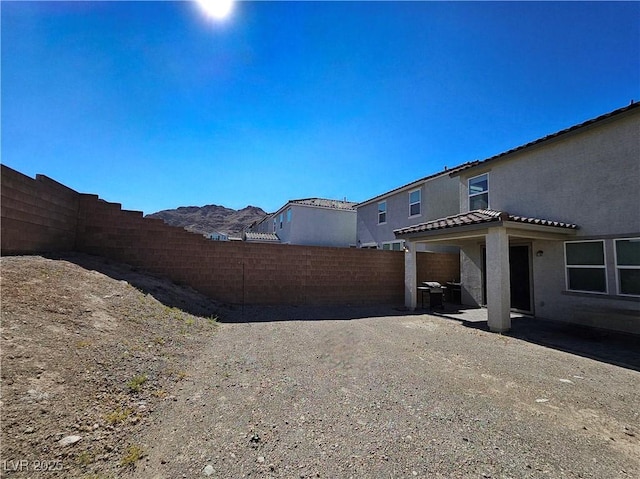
[
  {"x": 185, "y": 298},
  {"x": 620, "y": 349},
  {"x": 169, "y": 293}
]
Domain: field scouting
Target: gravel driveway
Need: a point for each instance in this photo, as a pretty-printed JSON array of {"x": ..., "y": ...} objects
[{"x": 294, "y": 393}]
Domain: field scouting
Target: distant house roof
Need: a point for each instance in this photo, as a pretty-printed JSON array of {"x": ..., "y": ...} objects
[
  {"x": 549, "y": 137},
  {"x": 413, "y": 184},
  {"x": 478, "y": 217},
  {"x": 261, "y": 237},
  {"x": 325, "y": 203}
]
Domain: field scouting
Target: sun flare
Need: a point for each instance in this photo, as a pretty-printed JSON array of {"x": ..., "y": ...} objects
[{"x": 216, "y": 9}]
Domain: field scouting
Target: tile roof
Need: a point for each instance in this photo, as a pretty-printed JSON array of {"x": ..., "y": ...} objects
[
  {"x": 606, "y": 116},
  {"x": 252, "y": 236},
  {"x": 325, "y": 203},
  {"x": 477, "y": 217}
]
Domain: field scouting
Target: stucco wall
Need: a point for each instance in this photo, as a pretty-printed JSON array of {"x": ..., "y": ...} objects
[
  {"x": 439, "y": 199},
  {"x": 471, "y": 273},
  {"x": 590, "y": 178},
  {"x": 264, "y": 226},
  {"x": 552, "y": 301},
  {"x": 321, "y": 226}
]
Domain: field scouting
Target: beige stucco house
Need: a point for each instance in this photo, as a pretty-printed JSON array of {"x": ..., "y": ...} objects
[
  {"x": 550, "y": 228},
  {"x": 312, "y": 222},
  {"x": 425, "y": 199}
]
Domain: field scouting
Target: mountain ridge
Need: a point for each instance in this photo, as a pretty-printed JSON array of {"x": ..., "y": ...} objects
[{"x": 211, "y": 218}]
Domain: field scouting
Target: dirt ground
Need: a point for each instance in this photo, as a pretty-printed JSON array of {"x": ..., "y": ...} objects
[
  {"x": 295, "y": 392},
  {"x": 89, "y": 356}
]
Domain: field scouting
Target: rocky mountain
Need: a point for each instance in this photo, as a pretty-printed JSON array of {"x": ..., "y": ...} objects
[{"x": 210, "y": 218}]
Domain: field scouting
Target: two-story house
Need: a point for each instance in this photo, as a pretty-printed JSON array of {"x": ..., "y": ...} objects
[
  {"x": 311, "y": 221},
  {"x": 551, "y": 228},
  {"x": 431, "y": 197}
]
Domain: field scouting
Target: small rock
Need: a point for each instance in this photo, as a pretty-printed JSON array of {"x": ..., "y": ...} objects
[
  {"x": 29, "y": 430},
  {"x": 68, "y": 440},
  {"x": 208, "y": 470},
  {"x": 261, "y": 459}
]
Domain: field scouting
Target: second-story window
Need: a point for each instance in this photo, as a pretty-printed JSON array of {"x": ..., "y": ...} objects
[
  {"x": 479, "y": 192},
  {"x": 382, "y": 212},
  {"x": 289, "y": 215},
  {"x": 415, "y": 199},
  {"x": 280, "y": 219}
]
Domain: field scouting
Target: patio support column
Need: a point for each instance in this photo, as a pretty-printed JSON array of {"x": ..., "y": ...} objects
[
  {"x": 410, "y": 275},
  {"x": 498, "y": 283}
]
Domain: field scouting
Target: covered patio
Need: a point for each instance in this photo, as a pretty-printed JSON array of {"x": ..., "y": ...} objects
[{"x": 495, "y": 231}]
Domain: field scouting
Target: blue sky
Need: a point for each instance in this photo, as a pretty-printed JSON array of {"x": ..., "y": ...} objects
[{"x": 152, "y": 105}]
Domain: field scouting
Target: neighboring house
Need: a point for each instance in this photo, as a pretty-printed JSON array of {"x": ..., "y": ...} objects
[
  {"x": 550, "y": 228},
  {"x": 312, "y": 221},
  {"x": 422, "y": 200},
  {"x": 217, "y": 236}
]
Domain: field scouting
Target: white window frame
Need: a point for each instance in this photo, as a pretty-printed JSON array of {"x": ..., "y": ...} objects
[
  {"x": 619, "y": 267},
  {"x": 389, "y": 245},
  {"x": 419, "y": 202},
  {"x": 281, "y": 219},
  {"x": 590, "y": 266},
  {"x": 382, "y": 212},
  {"x": 469, "y": 195},
  {"x": 288, "y": 215}
]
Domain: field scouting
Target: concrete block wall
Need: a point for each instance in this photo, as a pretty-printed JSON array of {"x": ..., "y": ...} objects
[
  {"x": 38, "y": 215},
  {"x": 238, "y": 272},
  {"x": 43, "y": 216},
  {"x": 440, "y": 267}
]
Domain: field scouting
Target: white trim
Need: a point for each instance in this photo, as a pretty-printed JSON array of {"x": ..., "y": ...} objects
[
  {"x": 590, "y": 266},
  {"x": 385, "y": 212},
  {"x": 391, "y": 243},
  {"x": 419, "y": 202},
  {"x": 469, "y": 195},
  {"x": 618, "y": 267}
]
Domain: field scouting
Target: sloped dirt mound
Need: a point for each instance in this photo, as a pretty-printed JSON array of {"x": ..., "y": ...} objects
[{"x": 86, "y": 358}]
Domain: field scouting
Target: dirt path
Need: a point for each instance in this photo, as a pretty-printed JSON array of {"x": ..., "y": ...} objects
[{"x": 392, "y": 396}]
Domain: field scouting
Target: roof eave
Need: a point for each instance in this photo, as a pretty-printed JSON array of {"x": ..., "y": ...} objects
[
  {"x": 550, "y": 138},
  {"x": 514, "y": 229},
  {"x": 446, "y": 172}
]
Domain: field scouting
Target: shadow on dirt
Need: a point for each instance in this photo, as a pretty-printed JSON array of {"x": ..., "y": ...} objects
[
  {"x": 164, "y": 290},
  {"x": 607, "y": 346}
]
